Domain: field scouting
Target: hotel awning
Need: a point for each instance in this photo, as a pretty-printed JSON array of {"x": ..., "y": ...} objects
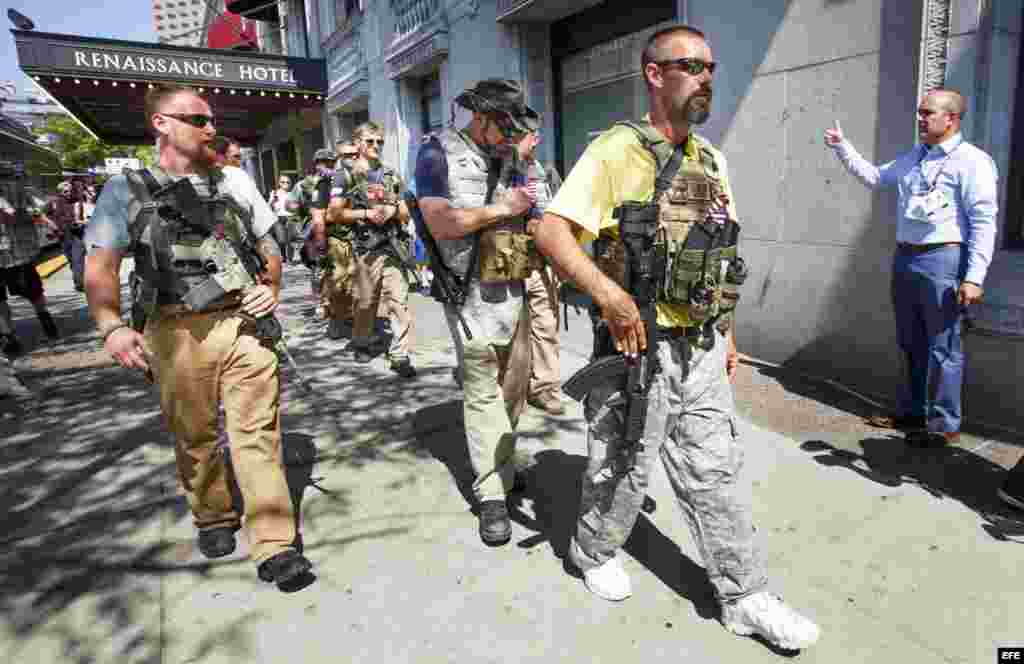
[{"x": 101, "y": 82}]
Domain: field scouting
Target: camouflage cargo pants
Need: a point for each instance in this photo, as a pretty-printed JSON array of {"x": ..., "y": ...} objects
[{"x": 691, "y": 427}]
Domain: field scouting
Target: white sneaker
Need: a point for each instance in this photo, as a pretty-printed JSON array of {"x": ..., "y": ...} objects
[
  {"x": 608, "y": 581},
  {"x": 765, "y": 614}
]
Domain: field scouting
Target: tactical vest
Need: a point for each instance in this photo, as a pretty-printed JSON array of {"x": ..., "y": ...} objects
[
  {"x": 367, "y": 237},
  {"x": 500, "y": 252},
  {"x": 178, "y": 261},
  {"x": 696, "y": 250}
]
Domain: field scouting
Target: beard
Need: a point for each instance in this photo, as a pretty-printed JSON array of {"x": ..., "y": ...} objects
[{"x": 697, "y": 108}]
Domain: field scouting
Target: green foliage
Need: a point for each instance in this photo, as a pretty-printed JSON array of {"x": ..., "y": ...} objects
[{"x": 79, "y": 151}]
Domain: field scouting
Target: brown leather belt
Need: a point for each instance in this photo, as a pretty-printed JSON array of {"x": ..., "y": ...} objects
[
  {"x": 230, "y": 302},
  {"x": 915, "y": 249}
]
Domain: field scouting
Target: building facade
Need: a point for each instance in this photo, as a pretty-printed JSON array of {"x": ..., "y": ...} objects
[
  {"x": 818, "y": 243},
  {"x": 179, "y": 22}
]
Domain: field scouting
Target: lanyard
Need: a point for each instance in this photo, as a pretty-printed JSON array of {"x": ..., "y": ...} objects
[{"x": 942, "y": 166}]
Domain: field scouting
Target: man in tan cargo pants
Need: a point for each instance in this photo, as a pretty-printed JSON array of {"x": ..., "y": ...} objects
[{"x": 199, "y": 341}]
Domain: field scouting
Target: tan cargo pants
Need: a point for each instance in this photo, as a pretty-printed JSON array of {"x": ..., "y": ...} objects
[
  {"x": 382, "y": 289},
  {"x": 338, "y": 287},
  {"x": 199, "y": 362},
  {"x": 542, "y": 299}
]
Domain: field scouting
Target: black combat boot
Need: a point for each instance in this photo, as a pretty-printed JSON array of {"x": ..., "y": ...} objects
[
  {"x": 495, "y": 527},
  {"x": 217, "y": 542},
  {"x": 284, "y": 567},
  {"x": 49, "y": 326},
  {"x": 404, "y": 368},
  {"x": 10, "y": 346}
]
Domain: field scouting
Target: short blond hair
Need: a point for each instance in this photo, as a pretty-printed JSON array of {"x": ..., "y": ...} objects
[
  {"x": 365, "y": 129},
  {"x": 156, "y": 97}
]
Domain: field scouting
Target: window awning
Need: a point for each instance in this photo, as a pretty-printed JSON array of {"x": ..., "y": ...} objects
[
  {"x": 540, "y": 11},
  {"x": 102, "y": 82}
]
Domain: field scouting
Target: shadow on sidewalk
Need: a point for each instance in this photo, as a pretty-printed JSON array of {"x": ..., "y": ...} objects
[
  {"x": 947, "y": 472},
  {"x": 553, "y": 483},
  {"x": 439, "y": 430}
]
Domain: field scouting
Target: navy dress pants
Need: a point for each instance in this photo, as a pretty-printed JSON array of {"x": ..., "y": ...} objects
[{"x": 928, "y": 320}]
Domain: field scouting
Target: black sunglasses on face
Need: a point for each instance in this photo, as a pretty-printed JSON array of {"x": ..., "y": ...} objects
[
  {"x": 197, "y": 120},
  {"x": 693, "y": 66},
  {"x": 373, "y": 141},
  {"x": 349, "y": 155},
  {"x": 507, "y": 126}
]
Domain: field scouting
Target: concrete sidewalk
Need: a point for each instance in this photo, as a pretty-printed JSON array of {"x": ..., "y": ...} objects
[{"x": 896, "y": 553}]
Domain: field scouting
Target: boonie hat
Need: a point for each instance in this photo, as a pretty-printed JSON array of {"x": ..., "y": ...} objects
[
  {"x": 501, "y": 96},
  {"x": 323, "y": 154}
]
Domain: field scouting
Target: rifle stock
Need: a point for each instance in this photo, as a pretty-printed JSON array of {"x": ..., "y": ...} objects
[
  {"x": 600, "y": 372},
  {"x": 447, "y": 287}
]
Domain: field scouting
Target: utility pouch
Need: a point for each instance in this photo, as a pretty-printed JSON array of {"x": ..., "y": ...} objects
[
  {"x": 735, "y": 274},
  {"x": 226, "y": 273},
  {"x": 507, "y": 256},
  {"x": 609, "y": 252},
  {"x": 695, "y": 270}
]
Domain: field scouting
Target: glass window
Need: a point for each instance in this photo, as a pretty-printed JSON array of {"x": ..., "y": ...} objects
[{"x": 431, "y": 106}]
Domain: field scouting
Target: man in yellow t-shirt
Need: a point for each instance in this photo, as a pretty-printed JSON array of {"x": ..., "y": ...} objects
[{"x": 690, "y": 421}]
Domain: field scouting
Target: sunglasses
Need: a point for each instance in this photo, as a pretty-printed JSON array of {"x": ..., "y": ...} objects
[
  {"x": 197, "y": 120},
  {"x": 507, "y": 126},
  {"x": 374, "y": 141},
  {"x": 349, "y": 155},
  {"x": 693, "y": 66}
]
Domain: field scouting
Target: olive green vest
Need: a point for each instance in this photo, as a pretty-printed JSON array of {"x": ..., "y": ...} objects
[{"x": 698, "y": 250}]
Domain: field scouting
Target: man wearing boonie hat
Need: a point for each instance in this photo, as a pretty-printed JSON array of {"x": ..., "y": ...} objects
[{"x": 478, "y": 221}]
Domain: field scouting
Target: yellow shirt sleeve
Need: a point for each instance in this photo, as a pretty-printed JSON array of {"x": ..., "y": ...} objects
[{"x": 614, "y": 168}]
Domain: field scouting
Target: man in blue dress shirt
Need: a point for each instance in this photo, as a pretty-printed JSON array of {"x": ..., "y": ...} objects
[{"x": 945, "y": 233}]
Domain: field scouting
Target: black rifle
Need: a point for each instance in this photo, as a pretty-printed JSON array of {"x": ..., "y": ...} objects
[
  {"x": 367, "y": 237},
  {"x": 447, "y": 287},
  {"x": 195, "y": 212},
  {"x": 638, "y": 226},
  {"x": 645, "y": 268}
]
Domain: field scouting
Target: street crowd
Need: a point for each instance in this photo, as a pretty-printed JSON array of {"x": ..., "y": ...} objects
[{"x": 493, "y": 234}]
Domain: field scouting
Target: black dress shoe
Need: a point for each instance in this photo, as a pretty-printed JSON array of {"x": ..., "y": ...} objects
[
  {"x": 217, "y": 542},
  {"x": 931, "y": 439},
  {"x": 898, "y": 422},
  {"x": 284, "y": 567},
  {"x": 495, "y": 527},
  {"x": 362, "y": 357}
]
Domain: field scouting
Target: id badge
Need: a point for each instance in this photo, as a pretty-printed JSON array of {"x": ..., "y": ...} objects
[{"x": 924, "y": 206}]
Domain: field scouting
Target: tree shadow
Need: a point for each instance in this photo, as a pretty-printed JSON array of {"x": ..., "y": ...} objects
[
  {"x": 947, "y": 472},
  {"x": 556, "y": 506}
]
